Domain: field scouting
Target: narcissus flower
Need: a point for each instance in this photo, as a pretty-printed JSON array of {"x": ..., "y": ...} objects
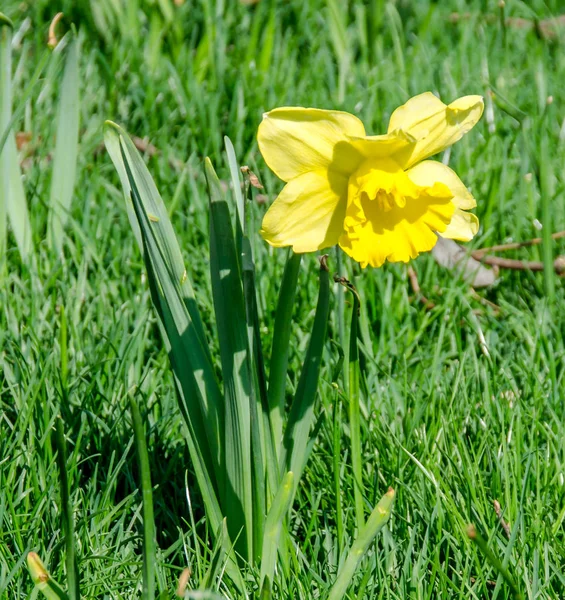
[{"x": 376, "y": 196}]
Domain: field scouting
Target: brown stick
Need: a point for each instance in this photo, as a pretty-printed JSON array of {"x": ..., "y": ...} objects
[
  {"x": 520, "y": 265},
  {"x": 415, "y": 285},
  {"x": 505, "y": 526},
  {"x": 478, "y": 254}
]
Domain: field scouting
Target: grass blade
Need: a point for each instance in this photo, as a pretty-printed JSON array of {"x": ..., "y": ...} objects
[
  {"x": 494, "y": 561},
  {"x": 229, "y": 308},
  {"x": 354, "y": 413},
  {"x": 273, "y": 527},
  {"x": 236, "y": 182},
  {"x": 67, "y": 513},
  {"x": 5, "y": 115},
  {"x": 300, "y": 420},
  {"x": 42, "y": 579},
  {"x": 280, "y": 347},
  {"x": 218, "y": 557},
  {"x": 66, "y": 147},
  {"x": 149, "y": 543},
  {"x": 365, "y": 537},
  {"x": 546, "y": 193}
]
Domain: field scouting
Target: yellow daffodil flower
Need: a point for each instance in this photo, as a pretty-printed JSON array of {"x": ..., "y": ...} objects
[{"x": 376, "y": 196}]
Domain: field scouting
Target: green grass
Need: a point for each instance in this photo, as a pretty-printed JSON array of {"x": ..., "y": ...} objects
[{"x": 449, "y": 422}]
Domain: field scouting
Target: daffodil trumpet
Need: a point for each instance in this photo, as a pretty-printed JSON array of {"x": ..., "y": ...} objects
[{"x": 378, "y": 197}]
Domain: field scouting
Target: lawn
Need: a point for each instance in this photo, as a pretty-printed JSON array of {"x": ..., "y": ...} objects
[{"x": 462, "y": 390}]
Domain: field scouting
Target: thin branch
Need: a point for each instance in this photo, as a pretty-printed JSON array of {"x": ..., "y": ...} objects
[
  {"x": 520, "y": 265},
  {"x": 415, "y": 285},
  {"x": 478, "y": 254}
]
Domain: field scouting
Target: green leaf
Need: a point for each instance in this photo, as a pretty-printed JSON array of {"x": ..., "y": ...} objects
[
  {"x": 229, "y": 309},
  {"x": 365, "y": 537},
  {"x": 114, "y": 137},
  {"x": 355, "y": 413},
  {"x": 66, "y": 147},
  {"x": 199, "y": 395},
  {"x": 273, "y": 526},
  {"x": 280, "y": 347},
  {"x": 262, "y": 444},
  {"x": 236, "y": 182},
  {"x": 266, "y": 591},
  {"x": 149, "y": 541},
  {"x": 301, "y": 417}
]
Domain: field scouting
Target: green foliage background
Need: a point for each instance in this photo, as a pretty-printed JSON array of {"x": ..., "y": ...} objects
[{"x": 463, "y": 404}]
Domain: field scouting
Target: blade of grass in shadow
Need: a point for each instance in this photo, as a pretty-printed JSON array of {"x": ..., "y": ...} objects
[
  {"x": 149, "y": 543},
  {"x": 273, "y": 527},
  {"x": 227, "y": 292},
  {"x": 42, "y": 579},
  {"x": 280, "y": 347},
  {"x": 300, "y": 419},
  {"x": 67, "y": 513},
  {"x": 5, "y": 115},
  {"x": 66, "y": 147},
  {"x": 365, "y": 537}
]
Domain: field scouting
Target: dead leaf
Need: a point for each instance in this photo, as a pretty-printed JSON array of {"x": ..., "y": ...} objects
[
  {"x": 253, "y": 179},
  {"x": 452, "y": 256}
]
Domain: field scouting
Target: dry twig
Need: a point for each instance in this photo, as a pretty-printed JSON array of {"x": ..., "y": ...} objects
[
  {"x": 503, "y": 523},
  {"x": 477, "y": 254}
]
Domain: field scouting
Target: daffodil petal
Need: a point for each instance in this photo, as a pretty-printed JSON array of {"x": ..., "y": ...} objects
[
  {"x": 295, "y": 140},
  {"x": 382, "y": 146},
  {"x": 429, "y": 172},
  {"x": 433, "y": 124},
  {"x": 463, "y": 226},
  {"x": 309, "y": 212},
  {"x": 372, "y": 236}
]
